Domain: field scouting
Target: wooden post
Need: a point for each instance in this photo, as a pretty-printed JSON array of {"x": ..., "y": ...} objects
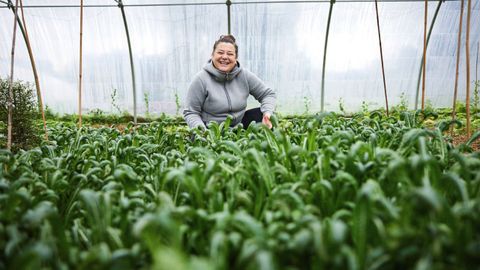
[
  {"x": 424, "y": 54},
  {"x": 80, "y": 68},
  {"x": 10, "y": 85},
  {"x": 34, "y": 68},
  {"x": 467, "y": 55},
  {"x": 459, "y": 42},
  {"x": 381, "y": 58}
]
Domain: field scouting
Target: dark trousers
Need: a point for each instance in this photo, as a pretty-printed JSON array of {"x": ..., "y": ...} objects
[{"x": 252, "y": 115}]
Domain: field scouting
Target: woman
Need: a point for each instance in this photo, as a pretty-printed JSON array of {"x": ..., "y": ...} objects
[{"x": 221, "y": 89}]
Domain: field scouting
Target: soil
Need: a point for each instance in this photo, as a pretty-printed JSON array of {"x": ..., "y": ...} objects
[{"x": 462, "y": 138}]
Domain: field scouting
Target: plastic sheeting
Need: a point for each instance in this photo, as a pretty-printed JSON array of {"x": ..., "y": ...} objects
[{"x": 282, "y": 43}]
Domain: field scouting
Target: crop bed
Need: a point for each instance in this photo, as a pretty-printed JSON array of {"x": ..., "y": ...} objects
[{"x": 323, "y": 192}]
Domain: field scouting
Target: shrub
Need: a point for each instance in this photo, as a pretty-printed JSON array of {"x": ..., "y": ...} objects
[{"x": 25, "y": 113}]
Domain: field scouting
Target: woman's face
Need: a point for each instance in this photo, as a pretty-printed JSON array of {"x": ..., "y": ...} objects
[{"x": 224, "y": 57}]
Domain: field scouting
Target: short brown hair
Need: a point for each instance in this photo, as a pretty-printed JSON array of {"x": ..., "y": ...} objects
[{"x": 227, "y": 39}]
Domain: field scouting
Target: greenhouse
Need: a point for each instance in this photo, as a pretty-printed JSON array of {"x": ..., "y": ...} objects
[{"x": 126, "y": 140}]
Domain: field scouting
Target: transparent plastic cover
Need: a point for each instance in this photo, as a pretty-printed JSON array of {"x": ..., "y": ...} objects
[{"x": 283, "y": 43}]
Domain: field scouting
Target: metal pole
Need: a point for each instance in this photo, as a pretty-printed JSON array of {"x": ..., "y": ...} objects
[
  {"x": 34, "y": 68},
  {"x": 229, "y": 3},
  {"x": 23, "y": 30},
  {"x": 322, "y": 104},
  {"x": 10, "y": 86},
  {"x": 25, "y": 38},
  {"x": 424, "y": 62},
  {"x": 428, "y": 39},
  {"x": 381, "y": 58},
  {"x": 217, "y": 3},
  {"x": 80, "y": 68},
  {"x": 120, "y": 5}
]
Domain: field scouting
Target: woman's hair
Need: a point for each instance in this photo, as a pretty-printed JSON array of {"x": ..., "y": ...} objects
[{"x": 227, "y": 39}]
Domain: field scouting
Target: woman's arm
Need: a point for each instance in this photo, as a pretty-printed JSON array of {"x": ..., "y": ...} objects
[
  {"x": 265, "y": 95},
  {"x": 195, "y": 98}
]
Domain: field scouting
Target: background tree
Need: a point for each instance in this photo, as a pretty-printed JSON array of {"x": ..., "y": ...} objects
[{"x": 25, "y": 113}]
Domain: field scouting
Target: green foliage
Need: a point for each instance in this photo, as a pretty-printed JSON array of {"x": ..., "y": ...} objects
[
  {"x": 365, "y": 109},
  {"x": 25, "y": 114},
  {"x": 147, "y": 104},
  {"x": 114, "y": 100},
  {"x": 341, "y": 105},
  {"x": 307, "y": 102},
  {"x": 50, "y": 114},
  {"x": 403, "y": 105},
  {"x": 177, "y": 103},
  {"x": 96, "y": 115},
  {"x": 99, "y": 117},
  {"x": 429, "y": 105},
  {"x": 317, "y": 192},
  {"x": 460, "y": 107}
]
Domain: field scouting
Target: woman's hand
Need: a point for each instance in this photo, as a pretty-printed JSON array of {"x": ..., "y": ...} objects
[{"x": 266, "y": 120}]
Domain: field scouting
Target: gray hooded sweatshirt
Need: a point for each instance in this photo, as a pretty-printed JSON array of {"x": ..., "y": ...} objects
[{"x": 213, "y": 95}]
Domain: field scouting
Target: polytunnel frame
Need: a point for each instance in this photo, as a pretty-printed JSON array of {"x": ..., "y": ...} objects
[
  {"x": 322, "y": 98},
  {"x": 132, "y": 66},
  {"x": 10, "y": 83},
  {"x": 457, "y": 64},
  {"x": 80, "y": 67},
  {"x": 422, "y": 69},
  {"x": 228, "y": 3},
  {"x": 24, "y": 31}
]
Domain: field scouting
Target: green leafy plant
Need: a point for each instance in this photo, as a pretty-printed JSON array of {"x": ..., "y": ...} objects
[
  {"x": 365, "y": 110},
  {"x": 147, "y": 104},
  {"x": 341, "y": 105},
  {"x": 307, "y": 102},
  {"x": 403, "y": 105},
  {"x": 429, "y": 105},
  {"x": 461, "y": 107},
  {"x": 177, "y": 103},
  {"x": 114, "y": 100},
  {"x": 25, "y": 114},
  {"x": 317, "y": 192},
  {"x": 50, "y": 114}
]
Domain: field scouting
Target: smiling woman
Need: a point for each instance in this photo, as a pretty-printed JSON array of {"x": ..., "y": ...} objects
[
  {"x": 224, "y": 54},
  {"x": 221, "y": 89}
]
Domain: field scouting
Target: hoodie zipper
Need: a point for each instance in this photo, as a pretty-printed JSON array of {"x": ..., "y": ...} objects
[
  {"x": 229, "y": 101},
  {"x": 228, "y": 97}
]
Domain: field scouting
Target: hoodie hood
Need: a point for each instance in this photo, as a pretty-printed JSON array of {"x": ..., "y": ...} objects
[{"x": 221, "y": 76}]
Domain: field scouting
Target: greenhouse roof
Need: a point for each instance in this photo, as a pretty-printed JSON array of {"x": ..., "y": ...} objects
[{"x": 283, "y": 42}]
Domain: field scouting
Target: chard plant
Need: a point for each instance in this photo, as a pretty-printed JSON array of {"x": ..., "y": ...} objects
[{"x": 317, "y": 192}]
